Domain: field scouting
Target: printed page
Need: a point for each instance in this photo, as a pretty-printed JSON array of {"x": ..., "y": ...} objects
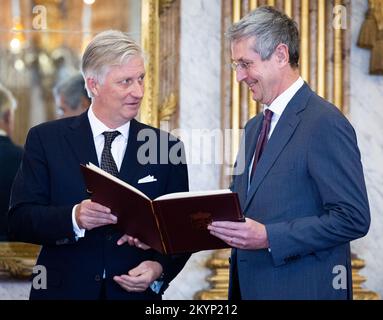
[{"x": 190, "y": 194}]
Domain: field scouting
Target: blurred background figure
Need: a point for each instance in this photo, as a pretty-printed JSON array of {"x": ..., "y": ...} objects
[
  {"x": 71, "y": 98},
  {"x": 10, "y": 155}
]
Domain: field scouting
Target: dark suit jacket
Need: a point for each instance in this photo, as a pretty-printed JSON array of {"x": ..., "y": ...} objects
[
  {"x": 48, "y": 185},
  {"x": 309, "y": 191},
  {"x": 10, "y": 158}
]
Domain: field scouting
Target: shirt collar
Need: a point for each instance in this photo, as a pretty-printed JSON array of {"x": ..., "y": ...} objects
[
  {"x": 280, "y": 103},
  {"x": 98, "y": 127},
  {"x": 3, "y": 133}
]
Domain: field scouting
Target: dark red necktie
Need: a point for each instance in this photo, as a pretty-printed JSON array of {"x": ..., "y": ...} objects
[{"x": 262, "y": 139}]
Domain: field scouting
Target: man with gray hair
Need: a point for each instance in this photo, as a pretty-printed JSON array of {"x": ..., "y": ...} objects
[
  {"x": 85, "y": 255},
  {"x": 10, "y": 155},
  {"x": 71, "y": 97},
  {"x": 303, "y": 190}
]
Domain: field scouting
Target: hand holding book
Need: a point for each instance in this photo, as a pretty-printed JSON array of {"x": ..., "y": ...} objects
[{"x": 173, "y": 223}]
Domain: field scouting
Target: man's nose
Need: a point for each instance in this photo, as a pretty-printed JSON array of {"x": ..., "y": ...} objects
[
  {"x": 138, "y": 89},
  {"x": 241, "y": 74}
]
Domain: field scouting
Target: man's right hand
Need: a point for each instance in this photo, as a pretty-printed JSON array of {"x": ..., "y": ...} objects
[{"x": 90, "y": 215}]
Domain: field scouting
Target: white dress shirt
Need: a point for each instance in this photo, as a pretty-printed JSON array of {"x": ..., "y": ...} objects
[
  {"x": 277, "y": 107},
  {"x": 118, "y": 151},
  {"x": 3, "y": 133}
]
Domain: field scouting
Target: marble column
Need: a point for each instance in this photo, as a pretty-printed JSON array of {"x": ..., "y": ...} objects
[{"x": 200, "y": 105}]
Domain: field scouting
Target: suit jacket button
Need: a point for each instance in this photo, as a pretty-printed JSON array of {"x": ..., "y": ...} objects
[
  {"x": 97, "y": 277},
  {"x": 109, "y": 237}
]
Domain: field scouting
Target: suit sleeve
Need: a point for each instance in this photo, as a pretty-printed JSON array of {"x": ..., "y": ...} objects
[
  {"x": 31, "y": 217},
  {"x": 335, "y": 168},
  {"x": 177, "y": 182}
]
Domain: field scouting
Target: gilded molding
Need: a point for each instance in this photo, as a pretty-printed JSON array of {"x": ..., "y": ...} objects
[
  {"x": 150, "y": 44},
  {"x": 305, "y": 40},
  {"x": 371, "y": 35},
  {"x": 168, "y": 108},
  {"x": 236, "y": 93},
  {"x": 321, "y": 49},
  {"x": 338, "y": 64},
  {"x": 17, "y": 259},
  {"x": 165, "y": 4}
]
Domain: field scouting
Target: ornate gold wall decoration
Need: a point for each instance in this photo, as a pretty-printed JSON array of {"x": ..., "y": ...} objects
[
  {"x": 150, "y": 28},
  {"x": 17, "y": 259},
  {"x": 162, "y": 49},
  {"x": 371, "y": 35},
  {"x": 168, "y": 108}
]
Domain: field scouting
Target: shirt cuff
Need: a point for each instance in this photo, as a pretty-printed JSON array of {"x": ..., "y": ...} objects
[{"x": 79, "y": 233}]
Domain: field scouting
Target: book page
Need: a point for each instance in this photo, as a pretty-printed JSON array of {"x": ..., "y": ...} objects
[
  {"x": 115, "y": 179},
  {"x": 190, "y": 194}
]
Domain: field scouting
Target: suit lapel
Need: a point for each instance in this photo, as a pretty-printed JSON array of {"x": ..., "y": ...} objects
[
  {"x": 80, "y": 139},
  {"x": 282, "y": 134}
]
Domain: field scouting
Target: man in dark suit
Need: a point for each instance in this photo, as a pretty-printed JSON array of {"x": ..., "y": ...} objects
[
  {"x": 49, "y": 204},
  {"x": 10, "y": 155},
  {"x": 302, "y": 189}
]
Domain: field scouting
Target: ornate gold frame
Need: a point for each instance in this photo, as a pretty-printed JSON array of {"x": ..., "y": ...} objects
[
  {"x": 153, "y": 108},
  {"x": 17, "y": 259},
  {"x": 371, "y": 35}
]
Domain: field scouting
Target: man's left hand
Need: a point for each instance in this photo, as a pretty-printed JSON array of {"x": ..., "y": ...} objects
[
  {"x": 141, "y": 277},
  {"x": 248, "y": 235}
]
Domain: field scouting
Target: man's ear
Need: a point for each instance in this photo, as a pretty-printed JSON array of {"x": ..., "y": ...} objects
[
  {"x": 92, "y": 85},
  {"x": 282, "y": 54}
]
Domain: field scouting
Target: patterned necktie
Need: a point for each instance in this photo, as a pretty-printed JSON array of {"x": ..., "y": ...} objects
[
  {"x": 262, "y": 139},
  {"x": 107, "y": 161}
]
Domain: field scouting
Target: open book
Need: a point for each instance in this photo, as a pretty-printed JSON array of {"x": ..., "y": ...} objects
[{"x": 173, "y": 223}]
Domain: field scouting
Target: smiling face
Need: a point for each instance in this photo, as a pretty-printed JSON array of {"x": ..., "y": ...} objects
[
  {"x": 117, "y": 97},
  {"x": 262, "y": 77}
]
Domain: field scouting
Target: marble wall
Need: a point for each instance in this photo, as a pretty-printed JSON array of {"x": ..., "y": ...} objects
[
  {"x": 200, "y": 105},
  {"x": 366, "y": 101}
]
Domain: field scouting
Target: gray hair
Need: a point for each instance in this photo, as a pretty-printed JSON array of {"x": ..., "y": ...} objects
[
  {"x": 7, "y": 101},
  {"x": 108, "y": 48},
  {"x": 72, "y": 90},
  {"x": 270, "y": 28}
]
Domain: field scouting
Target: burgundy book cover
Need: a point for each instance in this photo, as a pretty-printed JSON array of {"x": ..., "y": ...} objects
[
  {"x": 169, "y": 226},
  {"x": 135, "y": 215},
  {"x": 184, "y": 221}
]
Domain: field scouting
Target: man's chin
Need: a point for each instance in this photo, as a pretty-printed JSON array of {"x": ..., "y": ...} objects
[
  {"x": 129, "y": 115},
  {"x": 256, "y": 97}
]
